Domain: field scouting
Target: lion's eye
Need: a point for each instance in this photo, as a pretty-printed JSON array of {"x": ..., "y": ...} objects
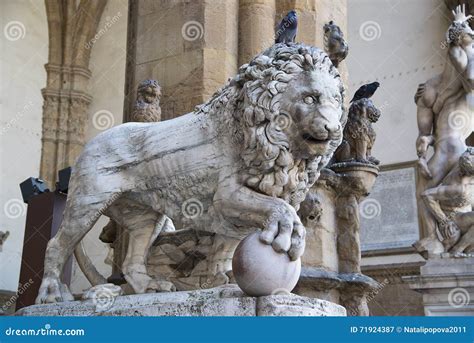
[
  {"x": 309, "y": 100},
  {"x": 337, "y": 97}
]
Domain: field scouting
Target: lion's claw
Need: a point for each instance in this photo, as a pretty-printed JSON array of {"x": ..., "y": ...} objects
[
  {"x": 268, "y": 234},
  {"x": 298, "y": 242},
  {"x": 285, "y": 233},
  {"x": 52, "y": 291}
]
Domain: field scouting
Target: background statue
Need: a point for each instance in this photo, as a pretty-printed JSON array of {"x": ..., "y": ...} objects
[
  {"x": 243, "y": 160},
  {"x": 445, "y": 120},
  {"x": 451, "y": 204}
]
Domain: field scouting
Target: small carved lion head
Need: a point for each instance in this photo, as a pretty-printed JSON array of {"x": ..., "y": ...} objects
[
  {"x": 364, "y": 109},
  {"x": 149, "y": 91}
]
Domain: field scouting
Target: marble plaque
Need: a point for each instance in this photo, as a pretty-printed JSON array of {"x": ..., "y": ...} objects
[{"x": 389, "y": 216}]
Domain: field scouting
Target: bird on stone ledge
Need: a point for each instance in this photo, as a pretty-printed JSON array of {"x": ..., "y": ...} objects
[
  {"x": 365, "y": 91},
  {"x": 286, "y": 30}
]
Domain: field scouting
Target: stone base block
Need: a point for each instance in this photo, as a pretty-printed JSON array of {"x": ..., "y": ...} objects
[
  {"x": 226, "y": 300},
  {"x": 447, "y": 285}
]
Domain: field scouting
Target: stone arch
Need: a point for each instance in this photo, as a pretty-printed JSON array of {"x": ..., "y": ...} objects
[{"x": 72, "y": 26}]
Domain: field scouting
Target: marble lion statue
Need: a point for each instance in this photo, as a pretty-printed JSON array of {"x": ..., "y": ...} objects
[{"x": 241, "y": 162}]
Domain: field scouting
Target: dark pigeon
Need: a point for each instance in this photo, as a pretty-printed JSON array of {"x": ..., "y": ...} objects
[
  {"x": 286, "y": 30},
  {"x": 365, "y": 91}
]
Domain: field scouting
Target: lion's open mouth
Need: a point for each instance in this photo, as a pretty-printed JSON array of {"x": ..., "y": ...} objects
[{"x": 314, "y": 140}]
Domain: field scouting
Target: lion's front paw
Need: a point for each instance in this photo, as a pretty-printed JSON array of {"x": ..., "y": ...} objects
[
  {"x": 284, "y": 231},
  {"x": 52, "y": 290}
]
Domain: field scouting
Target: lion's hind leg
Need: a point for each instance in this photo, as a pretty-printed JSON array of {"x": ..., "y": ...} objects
[
  {"x": 80, "y": 215},
  {"x": 143, "y": 226}
]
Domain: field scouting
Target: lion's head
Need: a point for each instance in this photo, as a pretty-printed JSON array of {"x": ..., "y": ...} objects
[
  {"x": 286, "y": 108},
  {"x": 149, "y": 91},
  {"x": 364, "y": 109}
]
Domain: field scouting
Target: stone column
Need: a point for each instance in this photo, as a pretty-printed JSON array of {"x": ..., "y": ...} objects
[
  {"x": 256, "y": 27},
  {"x": 189, "y": 47},
  {"x": 312, "y": 15},
  {"x": 72, "y": 26}
]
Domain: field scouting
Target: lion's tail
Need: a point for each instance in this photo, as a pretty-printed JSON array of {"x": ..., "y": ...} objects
[{"x": 84, "y": 262}]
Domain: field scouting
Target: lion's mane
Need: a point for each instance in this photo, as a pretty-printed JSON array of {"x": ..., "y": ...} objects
[{"x": 248, "y": 109}]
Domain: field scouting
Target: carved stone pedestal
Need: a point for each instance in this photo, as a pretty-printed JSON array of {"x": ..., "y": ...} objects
[
  {"x": 220, "y": 301},
  {"x": 331, "y": 264},
  {"x": 447, "y": 285}
]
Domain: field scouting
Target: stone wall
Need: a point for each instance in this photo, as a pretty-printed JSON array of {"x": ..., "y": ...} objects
[
  {"x": 399, "y": 44},
  {"x": 24, "y": 51},
  {"x": 394, "y": 297},
  {"x": 193, "y": 47},
  {"x": 177, "y": 43}
]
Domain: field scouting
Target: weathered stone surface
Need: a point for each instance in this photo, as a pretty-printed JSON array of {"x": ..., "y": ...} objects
[
  {"x": 447, "y": 285},
  {"x": 291, "y": 305},
  {"x": 221, "y": 301}
]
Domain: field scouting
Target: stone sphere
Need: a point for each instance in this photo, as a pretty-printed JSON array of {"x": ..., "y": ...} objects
[{"x": 259, "y": 270}]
